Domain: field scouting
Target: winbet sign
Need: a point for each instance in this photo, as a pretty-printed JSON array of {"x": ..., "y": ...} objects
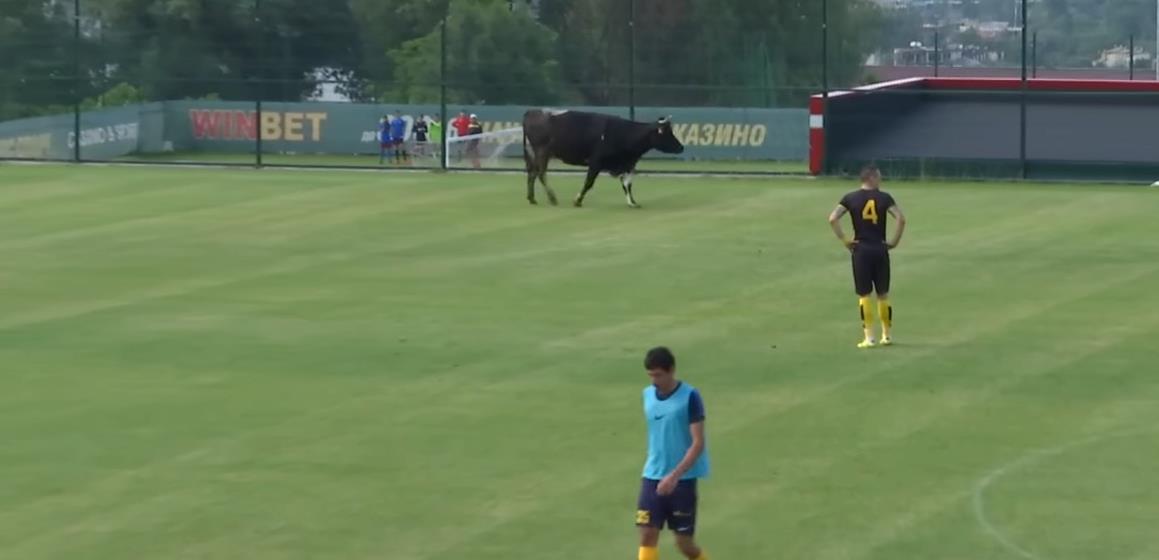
[{"x": 224, "y": 124}]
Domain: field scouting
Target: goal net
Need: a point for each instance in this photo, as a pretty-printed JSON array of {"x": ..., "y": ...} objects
[{"x": 490, "y": 150}]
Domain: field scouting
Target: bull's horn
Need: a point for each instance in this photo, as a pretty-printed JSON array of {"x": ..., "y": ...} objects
[{"x": 665, "y": 119}]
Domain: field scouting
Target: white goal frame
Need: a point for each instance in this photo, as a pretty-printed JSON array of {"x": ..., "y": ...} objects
[{"x": 497, "y": 141}]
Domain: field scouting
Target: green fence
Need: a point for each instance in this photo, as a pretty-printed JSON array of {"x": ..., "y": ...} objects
[{"x": 221, "y": 127}]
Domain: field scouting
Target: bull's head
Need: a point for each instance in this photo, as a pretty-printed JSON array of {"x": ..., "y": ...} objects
[{"x": 664, "y": 139}]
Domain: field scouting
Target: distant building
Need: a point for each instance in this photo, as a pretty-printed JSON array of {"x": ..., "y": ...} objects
[
  {"x": 1120, "y": 57},
  {"x": 889, "y": 73},
  {"x": 987, "y": 29},
  {"x": 916, "y": 54},
  {"x": 955, "y": 54},
  {"x": 893, "y": 4}
]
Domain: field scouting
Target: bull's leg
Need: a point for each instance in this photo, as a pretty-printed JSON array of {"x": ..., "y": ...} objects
[
  {"x": 531, "y": 187},
  {"x": 588, "y": 182},
  {"x": 543, "y": 180},
  {"x": 532, "y": 170},
  {"x": 626, "y": 182}
]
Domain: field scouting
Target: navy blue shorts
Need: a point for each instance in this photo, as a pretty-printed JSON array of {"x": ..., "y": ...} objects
[{"x": 676, "y": 510}]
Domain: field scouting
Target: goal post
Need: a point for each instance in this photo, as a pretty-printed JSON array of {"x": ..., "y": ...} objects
[{"x": 490, "y": 150}]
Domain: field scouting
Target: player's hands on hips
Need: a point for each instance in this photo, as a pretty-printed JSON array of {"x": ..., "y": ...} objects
[
  {"x": 850, "y": 244},
  {"x": 891, "y": 246},
  {"x": 667, "y": 485}
]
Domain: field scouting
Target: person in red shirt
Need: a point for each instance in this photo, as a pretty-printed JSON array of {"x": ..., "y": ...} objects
[
  {"x": 461, "y": 123},
  {"x": 460, "y": 126}
]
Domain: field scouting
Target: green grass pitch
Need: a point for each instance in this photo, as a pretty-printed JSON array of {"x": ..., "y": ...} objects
[{"x": 207, "y": 363}]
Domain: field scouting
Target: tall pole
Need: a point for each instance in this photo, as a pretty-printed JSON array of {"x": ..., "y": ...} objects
[
  {"x": 1131, "y": 58},
  {"x": 824, "y": 80},
  {"x": 937, "y": 52},
  {"x": 1034, "y": 55},
  {"x": 632, "y": 59},
  {"x": 1022, "y": 112},
  {"x": 446, "y": 126},
  {"x": 263, "y": 59},
  {"x": 76, "y": 80}
]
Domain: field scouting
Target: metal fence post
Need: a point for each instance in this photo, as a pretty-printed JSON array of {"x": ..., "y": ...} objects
[
  {"x": 1034, "y": 55},
  {"x": 446, "y": 128},
  {"x": 262, "y": 60},
  {"x": 76, "y": 80},
  {"x": 1022, "y": 111},
  {"x": 1131, "y": 58},
  {"x": 632, "y": 59},
  {"x": 825, "y": 81},
  {"x": 937, "y": 53}
]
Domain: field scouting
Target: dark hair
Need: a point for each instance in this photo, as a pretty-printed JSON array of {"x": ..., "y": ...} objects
[
  {"x": 868, "y": 171},
  {"x": 660, "y": 357}
]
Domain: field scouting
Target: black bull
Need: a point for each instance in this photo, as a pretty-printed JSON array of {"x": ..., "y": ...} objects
[{"x": 598, "y": 142}]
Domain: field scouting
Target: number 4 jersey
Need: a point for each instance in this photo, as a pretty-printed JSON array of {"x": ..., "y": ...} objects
[{"x": 869, "y": 209}]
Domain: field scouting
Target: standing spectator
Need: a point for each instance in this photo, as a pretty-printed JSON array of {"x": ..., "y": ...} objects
[
  {"x": 421, "y": 132},
  {"x": 384, "y": 139},
  {"x": 436, "y": 136},
  {"x": 460, "y": 124},
  {"x": 474, "y": 127},
  {"x": 398, "y": 137},
  {"x": 459, "y": 128}
]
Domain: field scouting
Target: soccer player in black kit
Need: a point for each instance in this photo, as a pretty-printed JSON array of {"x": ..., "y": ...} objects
[
  {"x": 421, "y": 130},
  {"x": 870, "y": 207}
]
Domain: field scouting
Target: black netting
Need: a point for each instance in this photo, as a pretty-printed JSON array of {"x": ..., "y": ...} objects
[{"x": 319, "y": 82}]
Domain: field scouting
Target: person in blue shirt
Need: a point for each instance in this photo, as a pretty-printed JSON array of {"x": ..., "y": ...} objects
[
  {"x": 677, "y": 458},
  {"x": 398, "y": 137}
]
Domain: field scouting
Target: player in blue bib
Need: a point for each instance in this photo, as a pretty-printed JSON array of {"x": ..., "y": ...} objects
[
  {"x": 398, "y": 127},
  {"x": 677, "y": 458}
]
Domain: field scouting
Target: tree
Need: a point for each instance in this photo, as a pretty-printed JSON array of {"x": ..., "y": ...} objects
[
  {"x": 383, "y": 26},
  {"x": 37, "y": 47},
  {"x": 707, "y": 52},
  {"x": 494, "y": 55},
  {"x": 593, "y": 49},
  {"x": 250, "y": 49}
]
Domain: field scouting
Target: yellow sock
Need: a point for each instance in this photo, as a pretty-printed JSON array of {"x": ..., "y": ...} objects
[
  {"x": 866, "y": 316},
  {"x": 649, "y": 553},
  {"x": 885, "y": 310},
  {"x": 703, "y": 555}
]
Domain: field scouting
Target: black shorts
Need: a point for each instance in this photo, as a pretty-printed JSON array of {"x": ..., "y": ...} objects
[
  {"x": 871, "y": 269},
  {"x": 676, "y": 510}
]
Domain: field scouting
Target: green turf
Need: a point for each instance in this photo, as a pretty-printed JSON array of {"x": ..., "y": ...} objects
[
  {"x": 651, "y": 164},
  {"x": 206, "y": 363}
]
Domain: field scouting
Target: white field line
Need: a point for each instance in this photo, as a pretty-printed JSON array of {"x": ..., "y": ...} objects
[{"x": 1030, "y": 458}]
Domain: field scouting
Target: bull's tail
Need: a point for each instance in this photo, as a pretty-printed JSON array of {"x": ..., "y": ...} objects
[{"x": 526, "y": 148}]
